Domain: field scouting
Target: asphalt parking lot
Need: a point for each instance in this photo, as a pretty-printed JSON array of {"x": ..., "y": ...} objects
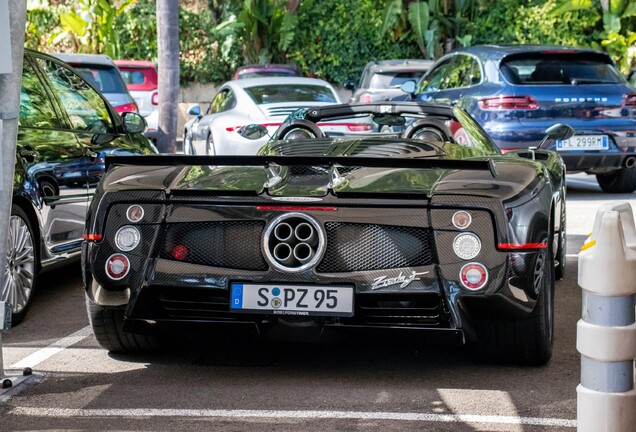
[{"x": 370, "y": 385}]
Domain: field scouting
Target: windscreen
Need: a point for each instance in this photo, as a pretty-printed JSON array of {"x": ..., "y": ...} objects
[
  {"x": 267, "y": 73},
  {"x": 267, "y": 94},
  {"x": 105, "y": 78},
  {"x": 560, "y": 68},
  {"x": 387, "y": 80}
]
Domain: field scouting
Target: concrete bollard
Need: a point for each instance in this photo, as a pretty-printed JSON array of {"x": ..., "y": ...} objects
[{"x": 606, "y": 333}]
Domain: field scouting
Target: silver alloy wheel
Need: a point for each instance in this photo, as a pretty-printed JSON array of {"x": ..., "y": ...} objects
[{"x": 20, "y": 265}]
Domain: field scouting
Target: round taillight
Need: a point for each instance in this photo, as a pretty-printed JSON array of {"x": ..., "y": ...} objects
[
  {"x": 466, "y": 246},
  {"x": 180, "y": 252},
  {"x": 462, "y": 219},
  {"x": 473, "y": 276},
  {"x": 117, "y": 266},
  {"x": 127, "y": 238},
  {"x": 135, "y": 213}
]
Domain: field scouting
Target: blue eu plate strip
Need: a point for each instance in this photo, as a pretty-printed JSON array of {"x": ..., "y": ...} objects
[{"x": 237, "y": 296}]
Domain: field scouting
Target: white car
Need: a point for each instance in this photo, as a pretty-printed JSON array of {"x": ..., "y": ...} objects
[{"x": 265, "y": 101}]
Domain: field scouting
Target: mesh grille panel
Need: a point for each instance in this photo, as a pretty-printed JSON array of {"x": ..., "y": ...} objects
[
  {"x": 401, "y": 310},
  {"x": 232, "y": 244},
  {"x": 197, "y": 304},
  {"x": 361, "y": 247}
]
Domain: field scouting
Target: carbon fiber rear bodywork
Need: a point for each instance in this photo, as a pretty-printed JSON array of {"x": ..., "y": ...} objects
[{"x": 395, "y": 250}]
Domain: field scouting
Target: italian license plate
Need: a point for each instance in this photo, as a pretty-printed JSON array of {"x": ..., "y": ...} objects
[
  {"x": 303, "y": 300},
  {"x": 584, "y": 142}
]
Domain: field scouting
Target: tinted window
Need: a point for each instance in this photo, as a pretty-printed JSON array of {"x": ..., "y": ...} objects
[
  {"x": 36, "y": 109},
  {"x": 388, "y": 80},
  {"x": 267, "y": 94},
  {"x": 84, "y": 106},
  {"x": 459, "y": 73},
  {"x": 433, "y": 81},
  {"x": 548, "y": 68},
  {"x": 132, "y": 77},
  {"x": 221, "y": 101},
  {"x": 105, "y": 78},
  {"x": 139, "y": 79}
]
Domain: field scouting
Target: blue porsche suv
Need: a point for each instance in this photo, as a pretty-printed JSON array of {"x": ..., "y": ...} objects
[{"x": 517, "y": 92}]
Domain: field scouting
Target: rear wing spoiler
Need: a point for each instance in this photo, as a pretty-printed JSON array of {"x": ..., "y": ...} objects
[{"x": 330, "y": 161}]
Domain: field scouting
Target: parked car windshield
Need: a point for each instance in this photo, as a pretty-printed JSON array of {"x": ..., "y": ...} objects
[
  {"x": 105, "y": 78},
  {"x": 266, "y": 94},
  {"x": 267, "y": 73},
  {"x": 388, "y": 80},
  {"x": 549, "y": 68}
]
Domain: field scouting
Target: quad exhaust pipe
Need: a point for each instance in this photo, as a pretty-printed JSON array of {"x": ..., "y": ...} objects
[
  {"x": 283, "y": 232},
  {"x": 283, "y": 254},
  {"x": 293, "y": 243},
  {"x": 303, "y": 252},
  {"x": 306, "y": 233}
]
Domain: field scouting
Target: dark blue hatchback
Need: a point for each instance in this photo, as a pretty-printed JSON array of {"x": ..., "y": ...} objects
[{"x": 516, "y": 92}]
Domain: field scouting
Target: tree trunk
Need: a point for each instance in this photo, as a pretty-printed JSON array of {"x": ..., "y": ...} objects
[{"x": 168, "y": 59}]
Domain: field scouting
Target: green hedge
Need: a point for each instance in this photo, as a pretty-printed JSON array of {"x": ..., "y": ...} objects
[
  {"x": 529, "y": 22},
  {"x": 205, "y": 55},
  {"x": 336, "y": 39}
]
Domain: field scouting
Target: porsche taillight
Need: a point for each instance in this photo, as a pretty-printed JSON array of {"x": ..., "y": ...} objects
[
  {"x": 509, "y": 103},
  {"x": 629, "y": 100},
  {"x": 129, "y": 107}
]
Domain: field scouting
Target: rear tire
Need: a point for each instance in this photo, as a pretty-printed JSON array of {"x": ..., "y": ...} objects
[
  {"x": 525, "y": 341},
  {"x": 107, "y": 327},
  {"x": 622, "y": 181}
]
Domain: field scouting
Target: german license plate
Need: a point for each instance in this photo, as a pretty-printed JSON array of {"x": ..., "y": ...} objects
[
  {"x": 584, "y": 142},
  {"x": 307, "y": 300}
]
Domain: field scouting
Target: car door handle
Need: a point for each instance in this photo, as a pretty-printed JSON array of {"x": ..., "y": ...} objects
[{"x": 28, "y": 154}]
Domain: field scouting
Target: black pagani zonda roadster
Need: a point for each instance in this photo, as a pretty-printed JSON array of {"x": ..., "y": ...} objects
[{"x": 424, "y": 228}]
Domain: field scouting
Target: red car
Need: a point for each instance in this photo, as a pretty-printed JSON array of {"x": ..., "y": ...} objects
[{"x": 141, "y": 80}]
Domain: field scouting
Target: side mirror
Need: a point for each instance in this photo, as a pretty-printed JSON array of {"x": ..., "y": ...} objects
[
  {"x": 350, "y": 85},
  {"x": 408, "y": 87},
  {"x": 253, "y": 131},
  {"x": 194, "y": 110},
  {"x": 133, "y": 122},
  {"x": 559, "y": 131}
]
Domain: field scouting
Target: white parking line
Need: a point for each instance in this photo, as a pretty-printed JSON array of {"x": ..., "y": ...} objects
[
  {"x": 45, "y": 353},
  {"x": 307, "y": 415}
]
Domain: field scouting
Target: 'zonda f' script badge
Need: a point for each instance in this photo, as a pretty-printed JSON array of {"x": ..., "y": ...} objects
[{"x": 401, "y": 279}]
